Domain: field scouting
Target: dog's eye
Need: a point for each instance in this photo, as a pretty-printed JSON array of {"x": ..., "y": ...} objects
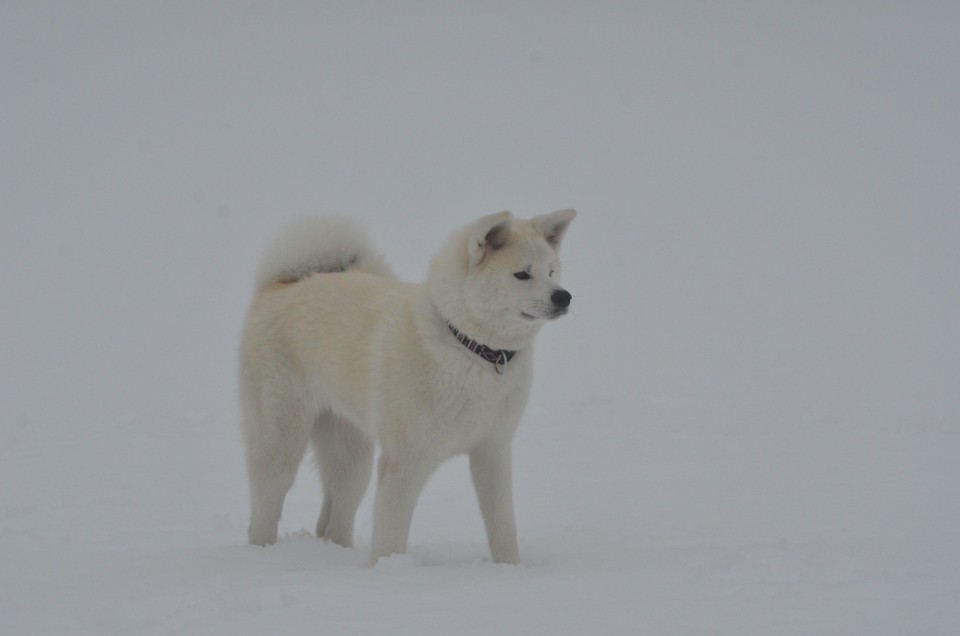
[{"x": 522, "y": 276}]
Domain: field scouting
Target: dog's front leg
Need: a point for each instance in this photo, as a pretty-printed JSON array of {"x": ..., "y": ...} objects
[
  {"x": 398, "y": 486},
  {"x": 490, "y": 466}
]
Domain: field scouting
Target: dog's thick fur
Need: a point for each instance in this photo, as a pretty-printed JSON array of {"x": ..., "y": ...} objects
[{"x": 336, "y": 352}]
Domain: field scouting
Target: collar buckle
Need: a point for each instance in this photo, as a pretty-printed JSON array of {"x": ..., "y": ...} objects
[{"x": 501, "y": 364}]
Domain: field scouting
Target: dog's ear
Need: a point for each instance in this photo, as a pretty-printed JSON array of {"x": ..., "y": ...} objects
[
  {"x": 553, "y": 226},
  {"x": 488, "y": 235}
]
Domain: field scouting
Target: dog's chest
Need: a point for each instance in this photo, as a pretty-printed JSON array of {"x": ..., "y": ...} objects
[
  {"x": 451, "y": 404},
  {"x": 484, "y": 405}
]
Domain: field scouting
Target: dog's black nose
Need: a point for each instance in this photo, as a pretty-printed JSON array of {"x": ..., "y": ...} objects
[{"x": 561, "y": 298}]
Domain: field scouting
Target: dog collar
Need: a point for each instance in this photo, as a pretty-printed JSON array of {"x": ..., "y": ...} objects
[{"x": 498, "y": 357}]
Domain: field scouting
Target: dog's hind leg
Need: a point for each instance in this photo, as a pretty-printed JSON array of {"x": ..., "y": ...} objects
[
  {"x": 276, "y": 443},
  {"x": 345, "y": 460}
]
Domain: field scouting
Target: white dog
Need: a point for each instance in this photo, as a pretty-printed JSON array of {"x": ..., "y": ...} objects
[{"x": 337, "y": 352}]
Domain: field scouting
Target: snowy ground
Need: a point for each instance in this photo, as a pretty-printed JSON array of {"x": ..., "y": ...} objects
[{"x": 750, "y": 423}]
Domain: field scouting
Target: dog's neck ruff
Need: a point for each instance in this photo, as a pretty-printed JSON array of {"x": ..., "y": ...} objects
[{"x": 497, "y": 357}]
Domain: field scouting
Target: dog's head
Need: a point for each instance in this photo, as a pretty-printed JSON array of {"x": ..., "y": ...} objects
[{"x": 502, "y": 276}]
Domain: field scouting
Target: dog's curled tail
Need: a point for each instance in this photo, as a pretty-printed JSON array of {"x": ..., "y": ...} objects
[{"x": 318, "y": 245}]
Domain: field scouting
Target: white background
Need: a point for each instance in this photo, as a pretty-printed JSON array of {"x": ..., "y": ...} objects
[{"x": 749, "y": 424}]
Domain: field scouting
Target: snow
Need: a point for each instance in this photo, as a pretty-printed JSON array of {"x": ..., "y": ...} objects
[{"x": 749, "y": 423}]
